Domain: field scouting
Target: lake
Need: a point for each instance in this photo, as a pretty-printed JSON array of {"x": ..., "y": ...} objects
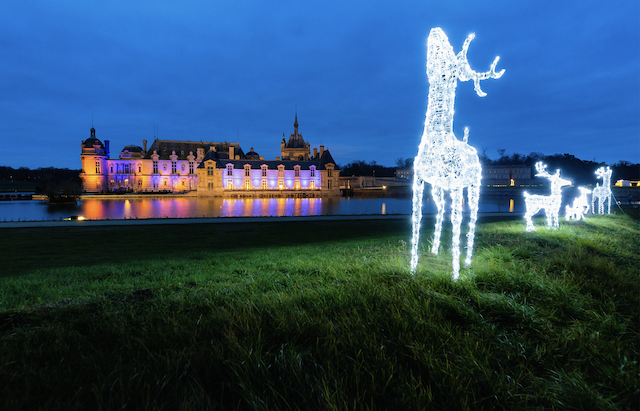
[{"x": 193, "y": 207}]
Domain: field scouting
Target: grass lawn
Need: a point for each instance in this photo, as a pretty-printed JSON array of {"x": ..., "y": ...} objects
[{"x": 319, "y": 315}]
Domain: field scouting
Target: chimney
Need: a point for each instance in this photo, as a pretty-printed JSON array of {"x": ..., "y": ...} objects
[
  {"x": 231, "y": 152},
  {"x": 106, "y": 147},
  {"x": 321, "y": 150},
  {"x": 144, "y": 146},
  {"x": 315, "y": 152}
]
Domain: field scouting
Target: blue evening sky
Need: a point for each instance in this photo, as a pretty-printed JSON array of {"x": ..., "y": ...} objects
[{"x": 236, "y": 70}]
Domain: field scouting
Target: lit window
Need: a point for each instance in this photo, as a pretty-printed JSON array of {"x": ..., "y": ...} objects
[
  {"x": 264, "y": 171},
  {"x": 190, "y": 167},
  {"x": 97, "y": 167},
  {"x": 209, "y": 170},
  {"x": 247, "y": 184},
  {"x": 280, "y": 184},
  {"x": 264, "y": 184},
  {"x": 297, "y": 171},
  {"x": 247, "y": 171},
  {"x": 229, "y": 185},
  {"x": 313, "y": 171},
  {"x": 312, "y": 185},
  {"x": 229, "y": 169},
  {"x": 155, "y": 166},
  {"x": 173, "y": 167}
]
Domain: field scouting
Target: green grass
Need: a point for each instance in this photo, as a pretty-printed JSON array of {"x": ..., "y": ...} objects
[{"x": 319, "y": 315}]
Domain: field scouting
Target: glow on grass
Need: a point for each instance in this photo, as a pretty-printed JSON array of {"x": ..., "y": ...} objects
[
  {"x": 602, "y": 193},
  {"x": 443, "y": 161},
  {"x": 550, "y": 204},
  {"x": 580, "y": 206}
]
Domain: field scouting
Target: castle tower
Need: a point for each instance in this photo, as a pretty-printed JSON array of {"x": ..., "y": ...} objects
[
  {"x": 295, "y": 148},
  {"x": 94, "y": 156}
]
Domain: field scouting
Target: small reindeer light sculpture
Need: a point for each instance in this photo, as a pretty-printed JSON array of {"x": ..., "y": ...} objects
[
  {"x": 550, "y": 204},
  {"x": 580, "y": 206},
  {"x": 443, "y": 161},
  {"x": 602, "y": 193}
]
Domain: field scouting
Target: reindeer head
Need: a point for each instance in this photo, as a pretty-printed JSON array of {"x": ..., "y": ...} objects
[
  {"x": 603, "y": 172},
  {"x": 556, "y": 181}
]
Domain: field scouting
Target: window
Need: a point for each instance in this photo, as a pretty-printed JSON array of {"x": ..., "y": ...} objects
[
  {"x": 173, "y": 167},
  {"x": 229, "y": 169},
  {"x": 329, "y": 185},
  {"x": 329, "y": 172},
  {"x": 111, "y": 169},
  {"x": 209, "y": 170},
  {"x": 155, "y": 166},
  {"x": 280, "y": 184},
  {"x": 297, "y": 171},
  {"x": 280, "y": 171},
  {"x": 97, "y": 167},
  {"x": 247, "y": 171},
  {"x": 264, "y": 171},
  {"x": 190, "y": 167},
  {"x": 247, "y": 185},
  {"x": 229, "y": 185},
  {"x": 264, "y": 184},
  {"x": 297, "y": 185},
  {"x": 210, "y": 185},
  {"x": 139, "y": 168},
  {"x": 312, "y": 185},
  {"x": 313, "y": 171}
]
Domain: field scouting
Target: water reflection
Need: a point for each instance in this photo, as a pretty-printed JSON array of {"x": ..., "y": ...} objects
[{"x": 225, "y": 207}]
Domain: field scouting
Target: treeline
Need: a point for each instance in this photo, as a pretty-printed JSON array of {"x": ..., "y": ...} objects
[
  {"x": 362, "y": 168},
  {"x": 579, "y": 171},
  {"x": 46, "y": 180}
]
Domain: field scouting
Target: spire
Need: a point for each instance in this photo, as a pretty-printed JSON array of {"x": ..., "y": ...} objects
[{"x": 295, "y": 124}]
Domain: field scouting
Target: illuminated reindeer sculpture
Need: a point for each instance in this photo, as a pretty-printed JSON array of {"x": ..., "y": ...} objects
[
  {"x": 444, "y": 161},
  {"x": 550, "y": 204},
  {"x": 580, "y": 206},
  {"x": 602, "y": 192}
]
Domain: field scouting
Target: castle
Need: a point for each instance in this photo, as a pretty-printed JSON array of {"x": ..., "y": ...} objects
[{"x": 209, "y": 169}]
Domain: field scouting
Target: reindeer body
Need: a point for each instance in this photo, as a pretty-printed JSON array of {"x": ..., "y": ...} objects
[
  {"x": 550, "y": 204},
  {"x": 602, "y": 193},
  {"x": 443, "y": 161},
  {"x": 580, "y": 206}
]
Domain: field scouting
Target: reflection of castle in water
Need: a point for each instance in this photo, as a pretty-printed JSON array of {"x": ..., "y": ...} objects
[{"x": 210, "y": 169}]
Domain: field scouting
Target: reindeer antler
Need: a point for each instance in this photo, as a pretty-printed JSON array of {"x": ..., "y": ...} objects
[
  {"x": 466, "y": 73},
  {"x": 541, "y": 168}
]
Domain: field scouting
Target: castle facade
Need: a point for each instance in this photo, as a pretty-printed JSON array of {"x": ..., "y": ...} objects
[{"x": 210, "y": 169}]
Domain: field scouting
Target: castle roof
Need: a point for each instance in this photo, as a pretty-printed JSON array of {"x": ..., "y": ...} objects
[{"x": 165, "y": 148}]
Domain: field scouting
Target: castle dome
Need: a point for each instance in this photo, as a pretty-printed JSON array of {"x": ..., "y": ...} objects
[
  {"x": 252, "y": 154},
  {"x": 93, "y": 141},
  {"x": 132, "y": 149}
]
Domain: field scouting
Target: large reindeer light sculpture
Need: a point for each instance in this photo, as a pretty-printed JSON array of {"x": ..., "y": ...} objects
[
  {"x": 580, "y": 206},
  {"x": 550, "y": 204},
  {"x": 444, "y": 161},
  {"x": 602, "y": 193}
]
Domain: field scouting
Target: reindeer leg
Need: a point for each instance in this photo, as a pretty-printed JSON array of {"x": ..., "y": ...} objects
[
  {"x": 438, "y": 197},
  {"x": 418, "y": 188},
  {"x": 473, "y": 193},
  {"x": 456, "y": 221}
]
